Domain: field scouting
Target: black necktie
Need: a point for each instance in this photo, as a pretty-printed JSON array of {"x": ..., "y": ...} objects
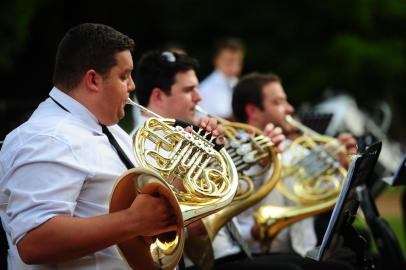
[{"x": 124, "y": 158}]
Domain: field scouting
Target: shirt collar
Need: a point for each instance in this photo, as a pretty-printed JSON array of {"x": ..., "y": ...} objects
[
  {"x": 230, "y": 81},
  {"x": 76, "y": 109}
]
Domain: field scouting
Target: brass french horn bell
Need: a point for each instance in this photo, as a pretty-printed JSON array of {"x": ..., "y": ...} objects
[
  {"x": 188, "y": 169},
  {"x": 311, "y": 181}
]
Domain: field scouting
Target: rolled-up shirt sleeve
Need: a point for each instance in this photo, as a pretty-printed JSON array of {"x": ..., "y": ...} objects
[{"x": 45, "y": 181}]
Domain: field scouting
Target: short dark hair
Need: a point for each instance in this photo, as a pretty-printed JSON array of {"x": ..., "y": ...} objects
[
  {"x": 249, "y": 91},
  {"x": 84, "y": 47},
  {"x": 228, "y": 43},
  {"x": 157, "y": 69},
  {"x": 173, "y": 46}
]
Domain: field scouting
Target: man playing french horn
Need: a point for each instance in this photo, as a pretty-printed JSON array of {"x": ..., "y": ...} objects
[
  {"x": 167, "y": 84},
  {"x": 58, "y": 169},
  {"x": 260, "y": 99}
]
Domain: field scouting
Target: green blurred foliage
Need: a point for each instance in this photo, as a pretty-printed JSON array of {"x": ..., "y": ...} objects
[
  {"x": 352, "y": 45},
  {"x": 358, "y": 46},
  {"x": 15, "y": 17}
]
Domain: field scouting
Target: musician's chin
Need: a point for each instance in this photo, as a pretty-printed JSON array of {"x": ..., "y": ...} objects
[{"x": 192, "y": 117}]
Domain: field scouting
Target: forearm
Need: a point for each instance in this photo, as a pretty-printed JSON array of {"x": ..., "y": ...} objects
[{"x": 64, "y": 238}]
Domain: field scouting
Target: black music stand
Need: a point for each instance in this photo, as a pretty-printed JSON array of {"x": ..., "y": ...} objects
[
  {"x": 399, "y": 179},
  {"x": 385, "y": 239},
  {"x": 340, "y": 225}
]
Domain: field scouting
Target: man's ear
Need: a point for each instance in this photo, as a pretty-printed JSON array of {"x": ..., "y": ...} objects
[
  {"x": 156, "y": 96},
  {"x": 92, "y": 80},
  {"x": 251, "y": 111}
]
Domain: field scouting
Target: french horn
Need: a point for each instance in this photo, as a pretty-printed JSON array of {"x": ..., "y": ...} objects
[
  {"x": 255, "y": 157},
  {"x": 188, "y": 169},
  {"x": 311, "y": 181}
]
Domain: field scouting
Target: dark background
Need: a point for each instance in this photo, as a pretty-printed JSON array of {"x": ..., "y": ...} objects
[{"x": 356, "y": 46}]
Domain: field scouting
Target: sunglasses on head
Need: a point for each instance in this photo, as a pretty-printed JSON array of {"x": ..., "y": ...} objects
[{"x": 167, "y": 57}]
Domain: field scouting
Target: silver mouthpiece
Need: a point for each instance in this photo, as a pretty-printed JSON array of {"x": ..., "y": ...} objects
[{"x": 142, "y": 108}]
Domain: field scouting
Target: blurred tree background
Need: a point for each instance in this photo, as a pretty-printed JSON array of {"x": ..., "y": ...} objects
[{"x": 358, "y": 46}]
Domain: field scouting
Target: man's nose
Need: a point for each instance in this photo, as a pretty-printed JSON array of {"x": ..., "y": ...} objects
[
  {"x": 131, "y": 84},
  {"x": 197, "y": 96},
  {"x": 289, "y": 109}
]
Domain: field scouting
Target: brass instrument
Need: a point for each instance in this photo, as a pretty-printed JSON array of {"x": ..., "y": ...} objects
[
  {"x": 254, "y": 155},
  {"x": 312, "y": 181},
  {"x": 184, "y": 167}
]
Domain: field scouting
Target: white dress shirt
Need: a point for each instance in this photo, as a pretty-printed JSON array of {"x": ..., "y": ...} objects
[
  {"x": 217, "y": 93},
  {"x": 59, "y": 163},
  {"x": 223, "y": 244}
]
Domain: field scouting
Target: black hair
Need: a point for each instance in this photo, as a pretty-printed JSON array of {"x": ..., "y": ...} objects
[
  {"x": 84, "y": 47},
  {"x": 157, "y": 69},
  {"x": 249, "y": 91}
]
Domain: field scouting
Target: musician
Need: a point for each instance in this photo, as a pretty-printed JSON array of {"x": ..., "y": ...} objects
[
  {"x": 167, "y": 84},
  {"x": 217, "y": 88},
  {"x": 57, "y": 170},
  {"x": 259, "y": 99}
]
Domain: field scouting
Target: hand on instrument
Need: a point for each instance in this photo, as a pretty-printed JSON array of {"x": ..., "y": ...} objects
[
  {"x": 349, "y": 141},
  {"x": 275, "y": 133},
  {"x": 152, "y": 215},
  {"x": 351, "y": 146},
  {"x": 211, "y": 125}
]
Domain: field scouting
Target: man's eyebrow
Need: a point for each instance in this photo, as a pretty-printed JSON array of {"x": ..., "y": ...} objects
[{"x": 189, "y": 87}]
